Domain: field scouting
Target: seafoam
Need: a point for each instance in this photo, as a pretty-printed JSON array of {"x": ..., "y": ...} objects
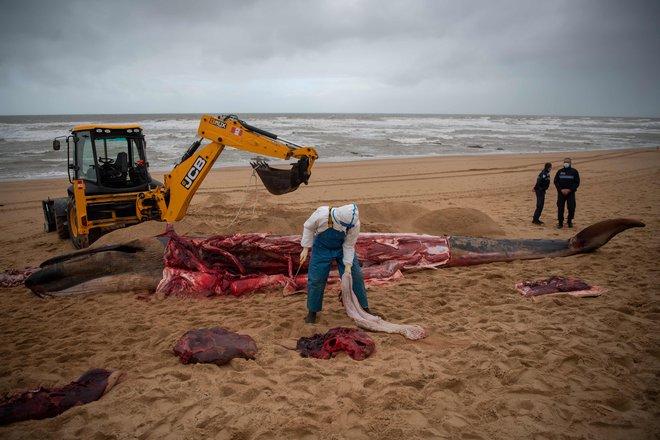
[{"x": 26, "y": 141}]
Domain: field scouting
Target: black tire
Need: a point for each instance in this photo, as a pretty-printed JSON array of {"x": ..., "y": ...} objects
[
  {"x": 80, "y": 241},
  {"x": 62, "y": 227},
  {"x": 49, "y": 215}
]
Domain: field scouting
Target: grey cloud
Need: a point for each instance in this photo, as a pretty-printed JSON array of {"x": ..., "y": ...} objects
[{"x": 586, "y": 57}]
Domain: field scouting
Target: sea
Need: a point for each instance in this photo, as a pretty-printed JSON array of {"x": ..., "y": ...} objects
[{"x": 26, "y": 141}]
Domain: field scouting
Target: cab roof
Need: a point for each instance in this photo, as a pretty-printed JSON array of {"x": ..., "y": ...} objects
[{"x": 104, "y": 126}]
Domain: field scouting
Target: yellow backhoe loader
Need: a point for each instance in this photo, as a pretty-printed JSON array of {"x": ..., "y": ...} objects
[{"x": 111, "y": 186}]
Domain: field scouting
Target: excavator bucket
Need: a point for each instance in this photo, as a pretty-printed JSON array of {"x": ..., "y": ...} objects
[{"x": 278, "y": 181}]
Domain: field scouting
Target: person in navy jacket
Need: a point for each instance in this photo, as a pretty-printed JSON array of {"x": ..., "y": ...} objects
[
  {"x": 542, "y": 184},
  {"x": 566, "y": 181}
]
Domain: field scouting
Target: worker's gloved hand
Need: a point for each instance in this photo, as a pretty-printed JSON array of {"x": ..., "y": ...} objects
[
  {"x": 347, "y": 268},
  {"x": 303, "y": 255}
]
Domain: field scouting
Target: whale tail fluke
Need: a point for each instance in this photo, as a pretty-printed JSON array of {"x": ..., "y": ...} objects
[
  {"x": 596, "y": 235},
  {"x": 468, "y": 251}
]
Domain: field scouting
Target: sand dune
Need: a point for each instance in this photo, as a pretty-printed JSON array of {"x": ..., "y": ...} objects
[{"x": 495, "y": 365}]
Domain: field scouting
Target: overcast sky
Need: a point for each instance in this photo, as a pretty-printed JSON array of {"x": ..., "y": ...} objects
[{"x": 550, "y": 57}]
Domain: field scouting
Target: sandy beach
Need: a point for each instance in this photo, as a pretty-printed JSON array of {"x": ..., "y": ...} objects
[{"x": 494, "y": 366}]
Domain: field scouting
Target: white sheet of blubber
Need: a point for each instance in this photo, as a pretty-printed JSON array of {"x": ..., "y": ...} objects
[{"x": 371, "y": 322}]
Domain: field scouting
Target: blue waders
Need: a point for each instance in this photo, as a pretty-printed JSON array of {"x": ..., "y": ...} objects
[{"x": 327, "y": 247}]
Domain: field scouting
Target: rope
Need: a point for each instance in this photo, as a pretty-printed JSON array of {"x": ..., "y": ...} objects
[{"x": 253, "y": 176}]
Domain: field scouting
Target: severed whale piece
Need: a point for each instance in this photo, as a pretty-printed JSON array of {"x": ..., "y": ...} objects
[
  {"x": 355, "y": 342},
  {"x": 214, "y": 346},
  {"x": 556, "y": 285},
  {"x": 43, "y": 403}
]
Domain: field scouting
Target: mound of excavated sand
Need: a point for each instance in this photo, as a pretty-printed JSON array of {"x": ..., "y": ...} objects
[{"x": 458, "y": 221}]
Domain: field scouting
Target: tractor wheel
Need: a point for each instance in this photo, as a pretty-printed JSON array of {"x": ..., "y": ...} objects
[
  {"x": 62, "y": 226},
  {"x": 80, "y": 241}
]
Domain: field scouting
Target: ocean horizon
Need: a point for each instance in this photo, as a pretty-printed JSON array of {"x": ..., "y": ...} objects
[{"x": 26, "y": 140}]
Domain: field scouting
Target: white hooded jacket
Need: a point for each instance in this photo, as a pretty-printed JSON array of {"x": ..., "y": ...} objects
[{"x": 318, "y": 223}]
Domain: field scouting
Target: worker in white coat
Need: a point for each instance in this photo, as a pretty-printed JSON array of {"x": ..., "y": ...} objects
[{"x": 331, "y": 233}]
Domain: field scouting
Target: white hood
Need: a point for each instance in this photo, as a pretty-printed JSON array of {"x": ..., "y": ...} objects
[{"x": 345, "y": 216}]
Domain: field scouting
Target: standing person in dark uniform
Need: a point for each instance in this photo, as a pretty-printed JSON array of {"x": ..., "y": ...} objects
[
  {"x": 542, "y": 184},
  {"x": 566, "y": 181}
]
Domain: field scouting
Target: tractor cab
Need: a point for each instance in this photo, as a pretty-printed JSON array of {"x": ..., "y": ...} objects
[
  {"x": 108, "y": 170},
  {"x": 110, "y": 159}
]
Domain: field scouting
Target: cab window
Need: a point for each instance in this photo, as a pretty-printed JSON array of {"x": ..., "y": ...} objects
[
  {"x": 108, "y": 149},
  {"x": 85, "y": 160},
  {"x": 134, "y": 153}
]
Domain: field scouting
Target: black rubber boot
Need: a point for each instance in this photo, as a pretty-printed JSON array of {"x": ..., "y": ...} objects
[{"x": 311, "y": 318}]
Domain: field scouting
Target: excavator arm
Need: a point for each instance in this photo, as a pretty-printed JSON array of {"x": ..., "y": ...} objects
[{"x": 171, "y": 201}]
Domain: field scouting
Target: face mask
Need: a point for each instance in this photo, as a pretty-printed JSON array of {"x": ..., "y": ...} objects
[{"x": 567, "y": 165}]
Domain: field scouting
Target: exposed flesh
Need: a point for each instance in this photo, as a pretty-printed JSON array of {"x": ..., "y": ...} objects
[
  {"x": 43, "y": 403},
  {"x": 240, "y": 263},
  {"x": 214, "y": 346}
]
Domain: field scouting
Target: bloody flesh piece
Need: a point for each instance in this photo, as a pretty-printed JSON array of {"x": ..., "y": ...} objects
[
  {"x": 214, "y": 346},
  {"x": 355, "y": 342},
  {"x": 556, "y": 285},
  {"x": 44, "y": 403}
]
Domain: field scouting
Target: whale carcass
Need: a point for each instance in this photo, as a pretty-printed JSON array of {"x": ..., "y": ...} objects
[{"x": 170, "y": 264}]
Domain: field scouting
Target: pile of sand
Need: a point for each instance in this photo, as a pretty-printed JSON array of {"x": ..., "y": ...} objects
[{"x": 458, "y": 221}]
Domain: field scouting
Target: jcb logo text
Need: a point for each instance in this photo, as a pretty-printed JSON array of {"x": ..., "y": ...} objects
[{"x": 193, "y": 172}]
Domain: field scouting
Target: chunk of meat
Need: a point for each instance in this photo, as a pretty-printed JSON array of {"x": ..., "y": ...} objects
[
  {"x": 214, "y": 346},
  {"x": 556, "y": 285},
  {"x": 355, "y": 342},
  {"x": 43, "y": 403}
]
